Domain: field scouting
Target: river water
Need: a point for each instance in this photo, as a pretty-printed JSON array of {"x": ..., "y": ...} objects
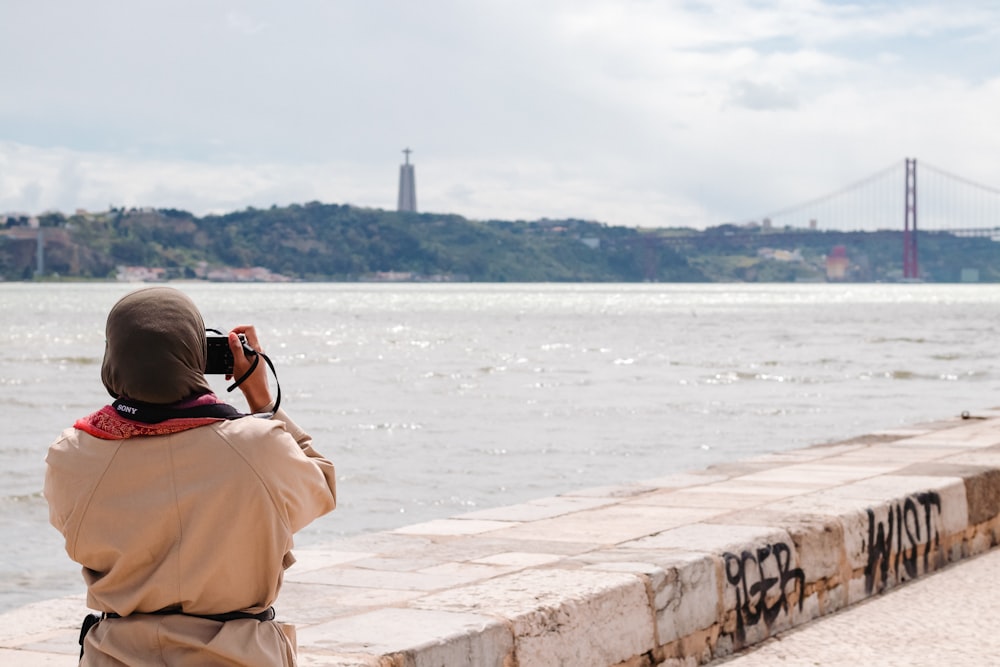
[{"x": 435, "y": 400}]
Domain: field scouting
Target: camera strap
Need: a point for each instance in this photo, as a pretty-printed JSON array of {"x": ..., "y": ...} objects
[
  {"x": 250, "y": 352},
  {"x": 150, "y": 413}
]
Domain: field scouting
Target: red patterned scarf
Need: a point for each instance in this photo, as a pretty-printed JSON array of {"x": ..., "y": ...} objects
[{"x": 109, "y": 424}]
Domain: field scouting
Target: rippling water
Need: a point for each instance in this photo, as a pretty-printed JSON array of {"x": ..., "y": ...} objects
[{"x": 439, "y": 399}]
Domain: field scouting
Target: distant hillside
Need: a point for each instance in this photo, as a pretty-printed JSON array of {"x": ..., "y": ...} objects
[
  {"x": 329, "y": 242},
  {"x": 321, "y": 242}
]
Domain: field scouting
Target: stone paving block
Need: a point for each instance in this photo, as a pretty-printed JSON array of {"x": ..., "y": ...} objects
[
  {"x": 469, "y": 548},
  {"x": 469, "y": 571},
  {"x": 561, "y": 617},
  {"x": 543, "y": 508},
  {"x": 731, "y": 469},
  {"x": 819, "y": 544},
  {"x": 902, "y": 433},
  {"x": 64, "y": 643},
  {"x": 412, "y": 637},
  {"x": 20, "y": 658},
  {"x": 897, "y": 453},
  {"x": 519, "y": 559},
  {"x": 891, "y": 486},
  {"x": 982, "y": 538},
  {"x": 612, "y": 491},
  {"x": 818, "y": 538},
  {"x": 397, "y": 563},
  {"x": 607, "y": 525},
  {"x": 827, "y": 502},
  {"x": 697, "y": 497},
  {"x": 473, "y": 547},
  {"x": 740, "y": 485},
  {"x": 987, "y": 456},
  {"x": 682, "y": 480},
  {"x": 384, "y": 542},
  {"x": 393, "y": 580},
  {"x": 814, "y": 474},
  {"x": 41, "y": 620},
  {"x": 685, "y": 589},
  {"x": 364, "y": 597},
  {"x": 931, "y": 442},
  {"x": 976, "y": 434},
  {"x": 952, "y": 517},
  {"x": 858, "y": 468},
  {"x": 309, "y": 603},
  {"x": 451, "y": 527},
  {"x": 814, "y": 453},
  {"x": 340, "y": 660},
  {"x": 709, "y": 538},
  {"x": 973, "y": 431},
  {"x": 982, "y": 485},
  {"x": 314, "y": 558}
]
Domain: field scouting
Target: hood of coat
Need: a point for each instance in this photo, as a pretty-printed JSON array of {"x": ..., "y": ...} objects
[{"x": 156, "y": 347}]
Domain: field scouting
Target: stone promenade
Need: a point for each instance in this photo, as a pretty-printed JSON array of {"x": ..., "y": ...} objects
[{"x": 680, "y": 570}]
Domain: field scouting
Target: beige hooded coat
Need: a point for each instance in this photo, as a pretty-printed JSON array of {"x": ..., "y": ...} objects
[{"x": 198, "y": 521}]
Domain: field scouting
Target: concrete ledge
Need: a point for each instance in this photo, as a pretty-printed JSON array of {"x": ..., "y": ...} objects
[{"x": 679, "y": 570}]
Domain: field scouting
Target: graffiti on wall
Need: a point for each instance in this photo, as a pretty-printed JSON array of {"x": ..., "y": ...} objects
[
  {"x": 899, "y": 547},
  {"x": 894, "y": 545},
  {"x": 764, "y": 579}
]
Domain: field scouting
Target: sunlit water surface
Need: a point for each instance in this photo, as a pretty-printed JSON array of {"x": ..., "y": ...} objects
[{"x": 435, "y": 400}]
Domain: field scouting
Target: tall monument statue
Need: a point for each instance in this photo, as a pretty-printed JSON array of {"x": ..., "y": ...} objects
[{"x": 407, "y": 186}]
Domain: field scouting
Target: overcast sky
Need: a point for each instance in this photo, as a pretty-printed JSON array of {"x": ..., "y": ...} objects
[{"x": 629, "y": 112}]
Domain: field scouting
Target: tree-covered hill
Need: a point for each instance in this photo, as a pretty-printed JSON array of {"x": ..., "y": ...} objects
[
  {"x": 321, "y": 242},
  {"x": 330, "y": 242}
]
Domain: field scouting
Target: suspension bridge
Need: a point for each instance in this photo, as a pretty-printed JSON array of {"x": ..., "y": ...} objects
[{"x": 895, "y": 198}]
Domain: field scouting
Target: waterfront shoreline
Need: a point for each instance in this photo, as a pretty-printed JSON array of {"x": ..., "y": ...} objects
[{"x": 683, "y": 569}]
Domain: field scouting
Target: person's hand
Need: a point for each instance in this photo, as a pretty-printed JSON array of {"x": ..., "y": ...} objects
[{"x": 254, "y": 388}]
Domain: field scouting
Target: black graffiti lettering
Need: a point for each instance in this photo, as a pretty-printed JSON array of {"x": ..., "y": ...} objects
[
  {"x": 894, "y": 546},
  {"x": 735, "y": 579},
  {"x": 929, "y": 500},
  {"x": 786, "y": 573},
  {"x": 752, "y": 598},
  {"x": 879, "y": 548},
  {"x": 763, "y": 585},
  {"x": 751, "y": 609},
  {"x": 912, "y": 536}
]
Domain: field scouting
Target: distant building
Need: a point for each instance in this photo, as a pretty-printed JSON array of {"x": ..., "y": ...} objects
[
  {"x": 837, "y": 263},
  {"x": 140, "y": 274},
  {"x": 779, "y": 255},
  {"x": 407, "y": 186},
  {"x": 970, "y": 276}
]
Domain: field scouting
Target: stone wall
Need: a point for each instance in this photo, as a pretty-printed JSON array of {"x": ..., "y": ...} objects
[{"x": 680, "y": 570}]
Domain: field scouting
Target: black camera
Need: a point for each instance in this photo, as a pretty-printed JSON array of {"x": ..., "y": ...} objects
[{"x": 219, "y": 360}]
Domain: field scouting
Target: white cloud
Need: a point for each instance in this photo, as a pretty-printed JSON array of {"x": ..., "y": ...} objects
[
  {"x": 763, "y": 96},
  {"x": 628, "y": 112},
  {"x": 244, "y": 24},
  {"x": 65, "y": 180}
]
